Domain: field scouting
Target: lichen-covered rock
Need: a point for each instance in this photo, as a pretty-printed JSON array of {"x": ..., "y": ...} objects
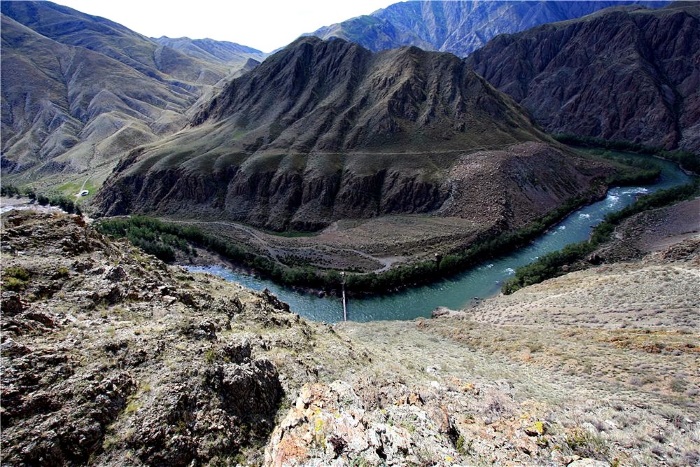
[
  {"x": 332, "y": 425},
  {"x": 108, "y": 357}
]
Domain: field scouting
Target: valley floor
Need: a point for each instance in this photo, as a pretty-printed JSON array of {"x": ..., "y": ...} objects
[{"x": 365, "y": 245}]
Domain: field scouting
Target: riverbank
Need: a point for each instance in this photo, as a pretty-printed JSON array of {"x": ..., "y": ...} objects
[
  {"x": 652, "y": 231},
  {"x": 379, "y": 255},
  {"x": 582, "y": 255}
]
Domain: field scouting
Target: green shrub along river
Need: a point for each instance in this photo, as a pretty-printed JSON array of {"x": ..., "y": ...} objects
[
  {"x": 162, "y": 239},
  {"x": 447, "y": 286}
]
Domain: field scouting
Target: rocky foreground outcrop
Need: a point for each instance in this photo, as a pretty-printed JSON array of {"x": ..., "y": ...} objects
[
  {"x": 627, "y": 73},
  {"x": 109, "y": 357}
]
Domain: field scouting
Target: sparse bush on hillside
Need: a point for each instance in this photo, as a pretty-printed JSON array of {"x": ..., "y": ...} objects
[
  {"x": 9, "y": 190},
  {"x": 15, "y": 278},
  {"x": 64, "y": 203},
  {"x": 586, "y": 444}
]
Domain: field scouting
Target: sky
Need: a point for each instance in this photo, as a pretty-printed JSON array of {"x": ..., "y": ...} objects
[{"x": 263, "y": 24}]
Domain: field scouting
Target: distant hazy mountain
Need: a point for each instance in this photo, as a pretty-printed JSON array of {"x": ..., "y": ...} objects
[
  {"x": 623, "y": 74},
  {"x": 79, "y": 91},
  {"x": 459, "y": 27},
  {"x": 327, "y": 130},
  {"x": 211, "y": 50}
]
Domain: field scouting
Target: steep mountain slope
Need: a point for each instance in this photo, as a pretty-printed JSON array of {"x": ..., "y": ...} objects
[
  {"x": 459, "y": 27},
  {"x": 153, "y": 58},
  {"x": 80, "y": 91},
  {"x": 326, "y": 130},
  {"x": 623, "y": 74}
]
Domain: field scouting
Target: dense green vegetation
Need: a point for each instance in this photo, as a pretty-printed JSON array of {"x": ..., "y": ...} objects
[
  {"x": 61, "y": 201},
  {"x": 630, "y": 170},
  {"x": 15, "y": 278},
  {"x": 687, "y": 160},
  {"x": 151, "y": 235},
  {"x": 553, "y": 264},
  {"x": 162, "y": 239}
]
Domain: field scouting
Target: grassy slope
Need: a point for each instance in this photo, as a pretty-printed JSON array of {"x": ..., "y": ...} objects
[{"x": 82, "y": 91}]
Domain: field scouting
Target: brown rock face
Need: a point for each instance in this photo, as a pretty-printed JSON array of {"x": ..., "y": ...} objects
[{"x": 625, "y": 73}]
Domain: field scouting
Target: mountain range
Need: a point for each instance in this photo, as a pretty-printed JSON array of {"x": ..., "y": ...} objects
[
  {"x": 626, "y": 74},
  {"x": 79, "y": 91},
  {"x": 412, "y": 162},
  {"x": 459, "y": 27},
  {"x": 327, "y": 130}
]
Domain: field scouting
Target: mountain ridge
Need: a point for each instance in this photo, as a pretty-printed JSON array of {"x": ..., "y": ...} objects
[
  {"x": 108, "y": 89},
  {"x": 459, "y": 27},
  {"x": 326, "y": 130},
  {"x": 641, "y": 85},
  {"x": 297, "y": 87}
]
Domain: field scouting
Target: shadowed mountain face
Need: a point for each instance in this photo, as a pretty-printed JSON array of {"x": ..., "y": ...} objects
[
  {"x": 627, "y": 74},
  {"x": 80, "y": 91},
  {"x": 327, "y": 130},
  {"x": 459, "y": 27}
]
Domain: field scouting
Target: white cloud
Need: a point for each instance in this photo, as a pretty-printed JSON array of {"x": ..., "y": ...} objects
[{"x": 263, "y": 24}]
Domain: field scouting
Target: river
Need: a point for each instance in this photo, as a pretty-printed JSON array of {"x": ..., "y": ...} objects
[{"x": 458, "y": 291}]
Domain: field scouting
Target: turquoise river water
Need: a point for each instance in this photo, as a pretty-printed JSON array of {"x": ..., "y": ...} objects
[{"x": 458, "y": 291}]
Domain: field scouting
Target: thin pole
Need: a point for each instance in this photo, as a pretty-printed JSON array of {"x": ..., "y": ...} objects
[{"x": 345, "y": 308}]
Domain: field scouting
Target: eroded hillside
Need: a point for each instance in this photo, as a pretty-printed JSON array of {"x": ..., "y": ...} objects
[
  {"x": 109, "y": 356},
  {"x": 325, "y": 131},
  {"x": 627, "y": 74},
  {"x": 80, "y": 91}
]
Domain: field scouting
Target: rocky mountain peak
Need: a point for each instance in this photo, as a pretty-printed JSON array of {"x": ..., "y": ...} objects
[
  {"x": 459, "y": 27},
  {"x": 335, "y": 95}
]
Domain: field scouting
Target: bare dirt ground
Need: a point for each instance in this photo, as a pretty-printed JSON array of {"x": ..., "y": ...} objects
[{"x": 361, "y": 245}]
